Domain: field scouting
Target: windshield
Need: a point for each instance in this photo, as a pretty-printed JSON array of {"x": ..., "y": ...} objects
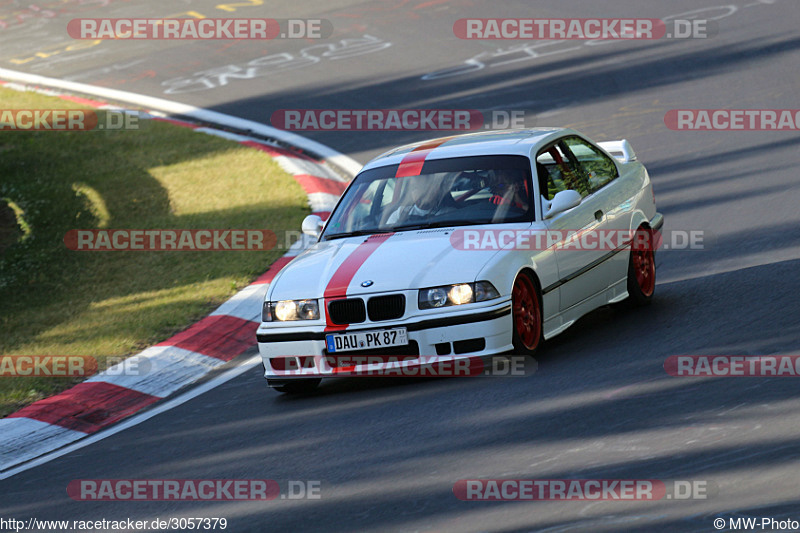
[{"x": 450, "y": 192}]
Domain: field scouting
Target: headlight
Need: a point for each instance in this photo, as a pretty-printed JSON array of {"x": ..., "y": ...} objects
[
  {"x": 462, "y": 293},
  {"x": 436, "y": 297},
  {"x": 286, "y": 310}
]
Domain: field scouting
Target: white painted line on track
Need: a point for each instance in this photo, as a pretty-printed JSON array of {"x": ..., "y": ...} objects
[{"x": 137, "y": 419}]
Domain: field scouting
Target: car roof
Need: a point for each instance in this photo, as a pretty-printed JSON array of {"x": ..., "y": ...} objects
[{"x": 501, "y": 142}]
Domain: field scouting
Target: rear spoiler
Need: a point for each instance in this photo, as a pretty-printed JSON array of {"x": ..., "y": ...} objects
[{"x": 621, "y": 150}]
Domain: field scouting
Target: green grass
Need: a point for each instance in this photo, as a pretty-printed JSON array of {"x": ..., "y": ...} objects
[{"x": 54, "y": 301}]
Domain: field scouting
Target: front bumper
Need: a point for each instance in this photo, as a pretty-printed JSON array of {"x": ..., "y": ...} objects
[{"x": 453, "y": 334}]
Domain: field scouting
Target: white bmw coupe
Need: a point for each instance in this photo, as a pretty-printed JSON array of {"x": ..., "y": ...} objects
[{"x": 463, "y": 247}]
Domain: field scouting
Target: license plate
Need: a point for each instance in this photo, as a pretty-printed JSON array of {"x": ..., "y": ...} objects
[{"x": 366, "y": 340}]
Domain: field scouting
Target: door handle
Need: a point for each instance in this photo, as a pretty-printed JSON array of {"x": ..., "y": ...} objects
[{"x": 598, "y": 215}]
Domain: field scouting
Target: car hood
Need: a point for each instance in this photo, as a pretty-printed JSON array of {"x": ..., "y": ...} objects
[{"x": 399, "y": 261}]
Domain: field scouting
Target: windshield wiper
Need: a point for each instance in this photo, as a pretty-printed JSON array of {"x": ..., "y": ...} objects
[
  {"x": 426, "y": 225},
  {"x": 356, "y": 233}
]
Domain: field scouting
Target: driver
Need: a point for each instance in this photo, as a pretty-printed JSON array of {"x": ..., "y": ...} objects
[
  {"x": 509, "y": 189},
  {"x": 420, "y": 198}
]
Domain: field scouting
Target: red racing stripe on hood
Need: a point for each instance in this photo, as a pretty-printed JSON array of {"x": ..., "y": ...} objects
[
  {"x": 340, "y": 281},
  {"x": 411, "y": 164}
]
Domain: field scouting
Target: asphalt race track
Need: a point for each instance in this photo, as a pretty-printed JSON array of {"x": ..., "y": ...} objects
[{"x": 600, "y": 406}]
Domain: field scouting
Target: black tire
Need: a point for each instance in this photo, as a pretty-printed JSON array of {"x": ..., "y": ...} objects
[{"x": 526, "y": 315}]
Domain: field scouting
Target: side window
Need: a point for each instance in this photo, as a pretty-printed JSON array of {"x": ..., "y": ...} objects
[
  {"x": 558, "y": 171},
  {"x": 597, "y": 166}
]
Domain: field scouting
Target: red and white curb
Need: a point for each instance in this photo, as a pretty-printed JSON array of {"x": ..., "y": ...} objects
[{"x": 181, "y": 360}]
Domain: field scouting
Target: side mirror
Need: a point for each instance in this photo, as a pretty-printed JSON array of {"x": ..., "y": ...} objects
[
  {"x": 312, "y": 225},
  {"x": 561, "y": 202}
]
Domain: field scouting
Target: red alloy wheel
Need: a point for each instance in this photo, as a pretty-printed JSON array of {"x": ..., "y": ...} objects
[
  {"x": 526, "y": 312},
  {"x": 644, "y": 265}
]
